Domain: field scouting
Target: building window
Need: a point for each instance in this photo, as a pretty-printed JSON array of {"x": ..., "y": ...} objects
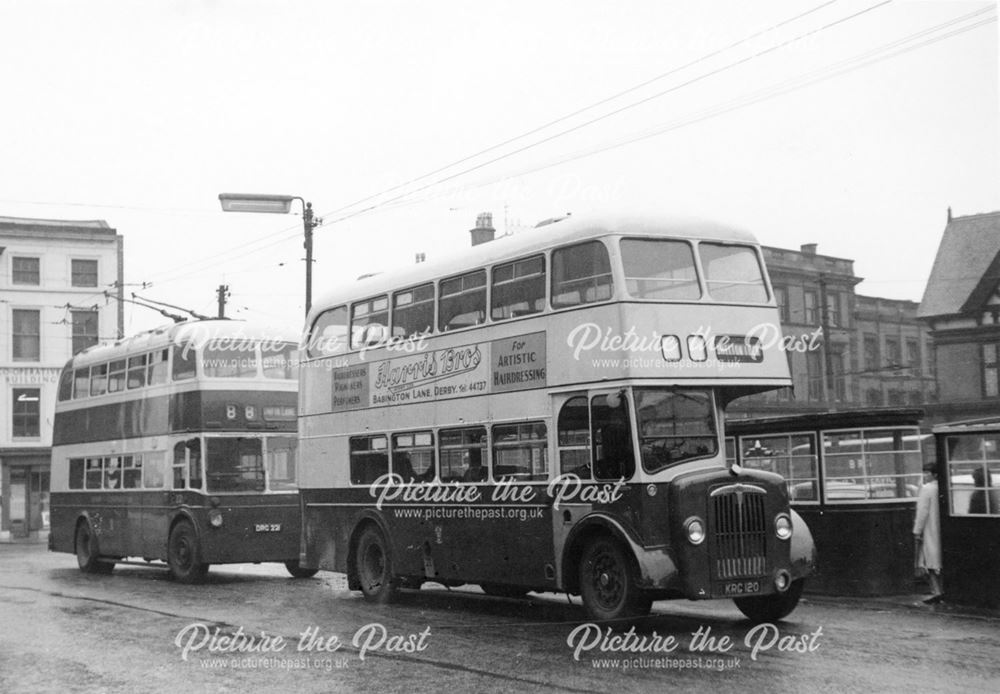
[
  {"x": 781, "y": 298},
  {"x": 837, "y": 375},
  {"x": 26, "y": 334},
  {"x": 814, "y": 372},
  {"x": 25, "y": 270},
  {"x": 893, "y": 356},
  {"x": 833, "y": 313},
  {"x": 874, "y": 397},
  {"x": 84, "y": 273},
  {"x": 991, "y": 388},
  {"x": 871, "y": 352},
  {"x": 26, "y": 411},
  {"x": 84, "y": 330},
  {"x": 913, "y": 356},
  {"x": 809, "y": 313}
]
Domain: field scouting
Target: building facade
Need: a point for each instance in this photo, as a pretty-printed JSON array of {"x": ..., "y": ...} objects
[
  {"x": 961, "y": 307},
  {"x": 845, "y": 350},
  {"x": 60, "y": 292}
]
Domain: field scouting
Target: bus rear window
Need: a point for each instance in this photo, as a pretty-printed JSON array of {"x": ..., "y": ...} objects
[
  {"x": 581, "y": 274},
  {"x": 733, "y": 273},
  {"x": 659, "y": 269}
]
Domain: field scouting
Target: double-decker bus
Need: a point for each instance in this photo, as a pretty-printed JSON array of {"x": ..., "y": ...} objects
[
  {"x": 543, "y": 412},
  {"x": 178, "y": 444}
]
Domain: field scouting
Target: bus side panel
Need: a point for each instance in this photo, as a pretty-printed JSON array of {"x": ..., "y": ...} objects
[
  {"x": 328, "y": 528},
  {"x": 156, "y": 514},
  {"x": 64, "y": 512}
]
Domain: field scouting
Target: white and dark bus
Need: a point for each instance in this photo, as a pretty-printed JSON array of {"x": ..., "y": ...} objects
[
  {"x": 544, "y": 412},
  {"x": 178, "y": 444}
]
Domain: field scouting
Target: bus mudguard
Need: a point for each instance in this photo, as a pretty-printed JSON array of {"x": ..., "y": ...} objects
[
  {"x": 651, "y": 562},
  {"x": 802, "y": 551}
]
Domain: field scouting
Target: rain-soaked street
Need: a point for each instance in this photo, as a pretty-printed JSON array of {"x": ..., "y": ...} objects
[{"x": 251, "y": 628}]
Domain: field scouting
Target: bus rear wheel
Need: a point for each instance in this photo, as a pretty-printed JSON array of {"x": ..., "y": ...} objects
[
  {"x": 88, "y": 553},
  {"x": 373, "y": 563},
  {"x": 184, "y": 554},
  {"x": 771, "y": 608},
  {"x": 296, "y": 571},
  {"x": 608, "y": 582}
]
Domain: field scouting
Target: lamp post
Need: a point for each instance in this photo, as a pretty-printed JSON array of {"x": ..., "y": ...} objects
[{"x": 278, "y": 204}]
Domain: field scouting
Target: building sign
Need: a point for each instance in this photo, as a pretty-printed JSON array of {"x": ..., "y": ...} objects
[
  {"x": 30, "y": 376},
  {"x": 516, "y": 363}
]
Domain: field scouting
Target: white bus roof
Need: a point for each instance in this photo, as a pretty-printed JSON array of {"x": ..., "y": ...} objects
[
  {"x": 513, "y": 246},
  {"x": 172, "y": 333}
]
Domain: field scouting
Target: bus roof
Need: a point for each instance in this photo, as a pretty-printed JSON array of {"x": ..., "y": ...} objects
[
  {"x": 171, "y": 333},
  {"x": 513, "y": 246}
]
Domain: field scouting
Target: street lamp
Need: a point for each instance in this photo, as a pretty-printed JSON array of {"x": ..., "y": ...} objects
[{"x": 278, "y": 204}]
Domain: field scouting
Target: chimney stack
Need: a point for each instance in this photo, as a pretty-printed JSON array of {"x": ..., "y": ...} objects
[
  {"x": 808, "y": 248},
  {"x": 484, "y": 231}
]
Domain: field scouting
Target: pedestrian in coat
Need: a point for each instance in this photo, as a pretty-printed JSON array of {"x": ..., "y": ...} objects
[{"x": 927, "y": 533}]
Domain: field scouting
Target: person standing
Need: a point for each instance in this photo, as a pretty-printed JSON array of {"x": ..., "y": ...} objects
[{"x": 927, "y": 533}]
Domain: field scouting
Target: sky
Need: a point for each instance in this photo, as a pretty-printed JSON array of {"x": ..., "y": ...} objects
[{"x": 850, "y": 124}]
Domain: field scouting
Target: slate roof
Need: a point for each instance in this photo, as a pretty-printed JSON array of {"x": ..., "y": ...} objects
[{"x": 967, "y": 260}]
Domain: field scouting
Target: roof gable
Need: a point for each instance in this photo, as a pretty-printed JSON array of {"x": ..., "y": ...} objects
[{"x": 966, "y": 268}]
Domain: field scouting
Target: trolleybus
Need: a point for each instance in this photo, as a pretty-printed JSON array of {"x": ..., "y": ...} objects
[
  {"x": 178, "y": 444},
  {"x": 543, "y": 412}
]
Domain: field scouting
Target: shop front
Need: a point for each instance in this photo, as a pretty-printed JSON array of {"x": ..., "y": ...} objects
[{"x": 24, "y": 493}]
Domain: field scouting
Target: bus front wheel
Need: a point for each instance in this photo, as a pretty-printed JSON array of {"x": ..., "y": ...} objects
[
  {"x": 87, "y": 552},
  {"x": 608, "y": 582},
  {"x": 184, "y": 554},
  {"x": 771, "y": 608},
  {"x": 296, "y": 571},
  {"x": 374, "y": 566}
]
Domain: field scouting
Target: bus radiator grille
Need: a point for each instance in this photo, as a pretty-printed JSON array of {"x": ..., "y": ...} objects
[{"x": 740, "y": 533}]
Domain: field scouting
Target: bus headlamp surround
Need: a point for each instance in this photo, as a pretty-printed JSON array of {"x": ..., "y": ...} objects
[
  {"x": 694, "y": 528},
  {"x": 783, "y": 526},
  {"x": 215, "y": 518}
]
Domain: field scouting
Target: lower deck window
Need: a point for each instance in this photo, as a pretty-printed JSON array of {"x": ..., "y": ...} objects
[
  {"x": 462, "y": 454},
  {"x": 369, "y": 458},
  {"x": 520, "y": 452}
]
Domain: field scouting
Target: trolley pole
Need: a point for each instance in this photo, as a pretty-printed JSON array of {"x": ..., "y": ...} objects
[{"x": 222, "y": 293}]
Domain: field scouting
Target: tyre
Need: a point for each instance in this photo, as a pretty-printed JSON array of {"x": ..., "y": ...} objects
[
  {"x": 771, "y": 608},
  {"x": 184, "y": 554},
  {"x": 498, "y": 590},
  {"x": 373, "y": 563},
  {"x": 608, "y": 582},
  {"x": 292, "y": 566},
  {"x": 88, "y": 552}
]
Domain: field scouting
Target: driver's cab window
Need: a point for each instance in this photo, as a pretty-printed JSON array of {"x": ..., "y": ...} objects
[
  {"x": 611, "y": 437},
  {"x": 574, "y": 438}
]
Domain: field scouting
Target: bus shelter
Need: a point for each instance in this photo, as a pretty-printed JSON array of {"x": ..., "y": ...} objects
[
  {"x": 968, "y": 460},
  {"x": 853, "y": 476}
]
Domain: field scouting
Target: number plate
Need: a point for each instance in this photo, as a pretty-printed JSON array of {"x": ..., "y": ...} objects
[
  {"x": 267, "y": 527},
  {"x": 735, "y": 589}
]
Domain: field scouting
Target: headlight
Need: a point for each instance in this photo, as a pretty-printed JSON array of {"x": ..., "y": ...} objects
[
  {"x": 215, "y": 518},
  {"x": 695, "y": 531},
  {"x": 783, "y": 526}
]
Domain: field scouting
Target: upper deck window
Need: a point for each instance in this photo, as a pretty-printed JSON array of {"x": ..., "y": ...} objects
[
  {"x": 674, "y": 426},
  {"x": 184, "y": 362},
  {"x": 581, "y": 274},
  {"x": 518, "y": 288},
  {"x": 369, "y": 322},
  {"x": 66, "y": 385},
  {"x": 659, "y": 269},
  {"x": 238, "y": 361},
  {"x": 413, "y": 311},
  {"x": 463, "y": 301},
  {"x": 733, "y": 273},
  {"x": 329, "y": 333},
  {"x": 279, "y": 359}
]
